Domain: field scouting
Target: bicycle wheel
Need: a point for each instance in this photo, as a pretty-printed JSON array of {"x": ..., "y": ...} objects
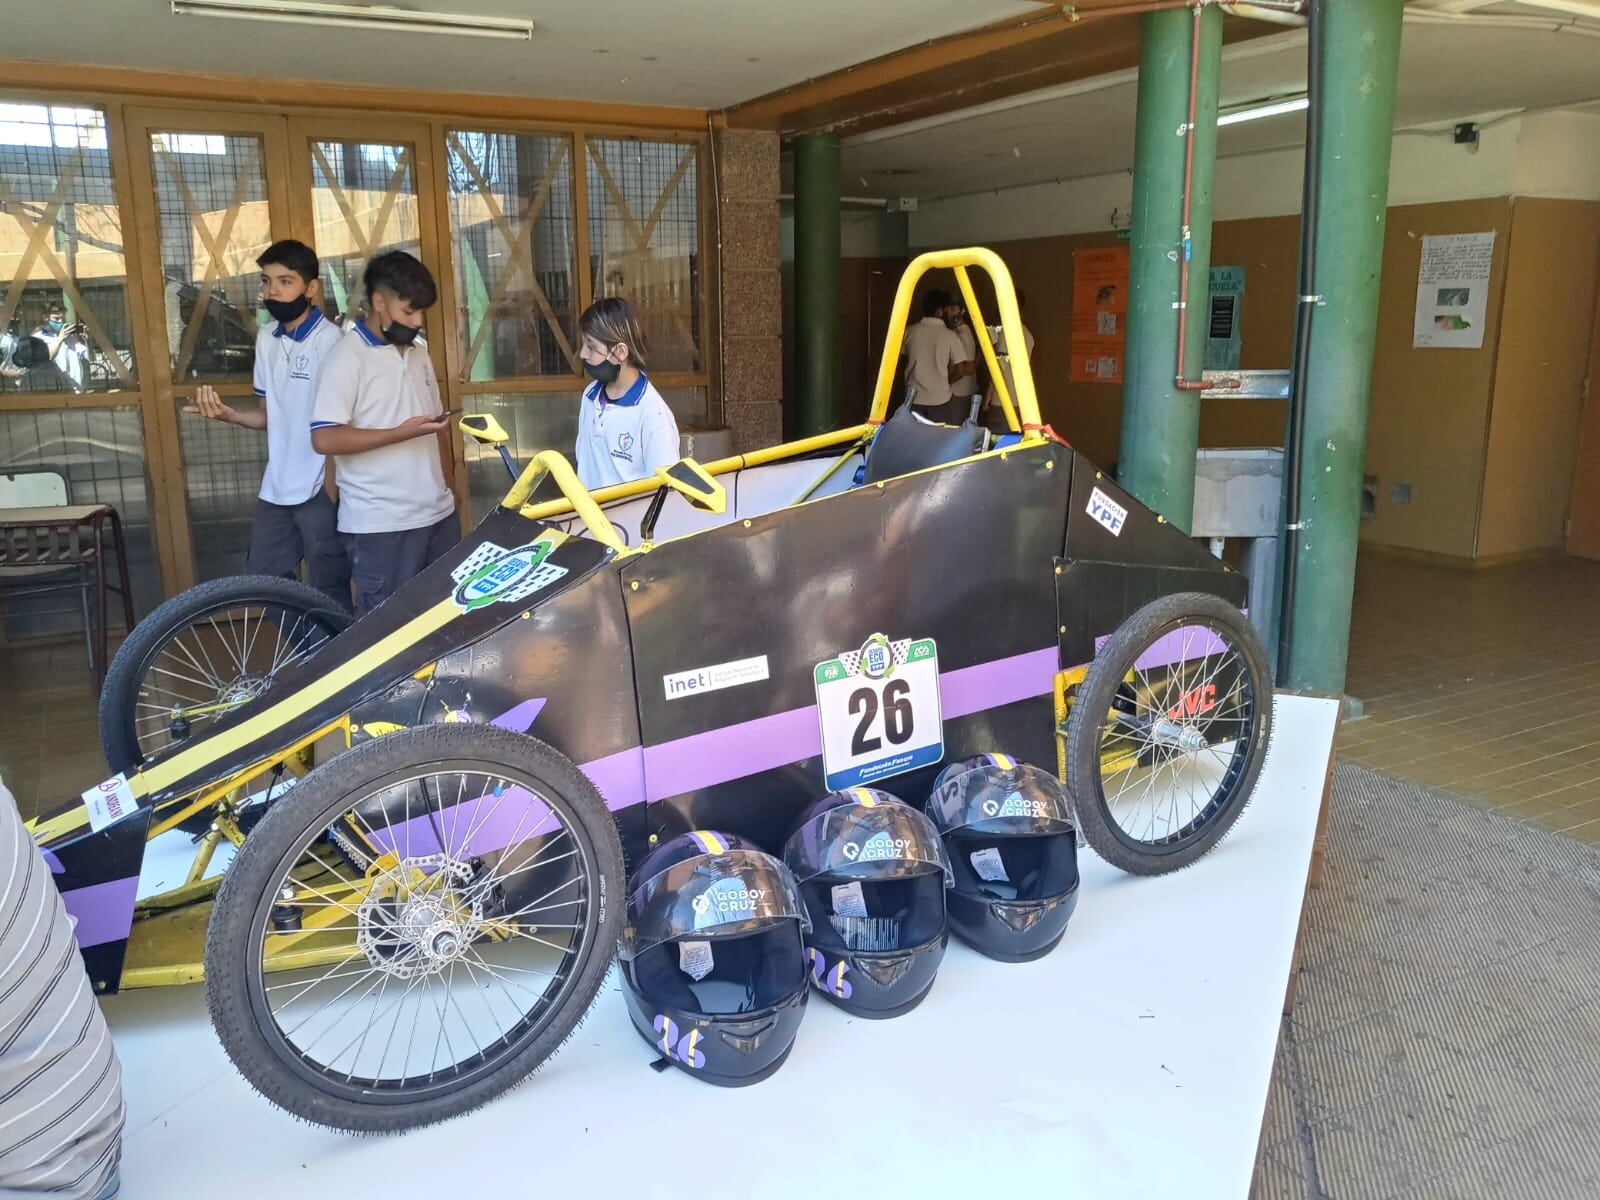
[
  {"x": 415, "y": 928},
  {"x": 202, "y": 654},
  {"x": 1168, "y": 733}
]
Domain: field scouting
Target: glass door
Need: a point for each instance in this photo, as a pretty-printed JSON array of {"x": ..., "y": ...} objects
[{"x": 214, "y": 195}]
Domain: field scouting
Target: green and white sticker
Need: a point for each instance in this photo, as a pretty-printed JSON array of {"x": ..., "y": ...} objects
[{"x": 492, "y": 574}]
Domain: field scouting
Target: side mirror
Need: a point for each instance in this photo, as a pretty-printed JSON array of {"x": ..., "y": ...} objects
[
  {"x": 691, "y": 481},
  {"x": 486, "y": 431}
]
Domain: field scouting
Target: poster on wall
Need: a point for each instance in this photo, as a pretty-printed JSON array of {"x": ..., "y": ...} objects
[
  {"x": 1453, "y": 290},
  {"x": 1222, "y": 319},
  {"x": 1099, "y": 315}
]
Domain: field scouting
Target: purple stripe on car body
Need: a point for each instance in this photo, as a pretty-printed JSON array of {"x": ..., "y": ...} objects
[
  {"x": 735, "y": 751},
  {"x": 1181, "y": 645},
  {"x": 103, "y": 912}
]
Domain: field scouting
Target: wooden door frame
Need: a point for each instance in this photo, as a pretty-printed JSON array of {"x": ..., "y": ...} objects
[
  {"x": 169, "y": 500},
  {"x": 430, "y": 187}
]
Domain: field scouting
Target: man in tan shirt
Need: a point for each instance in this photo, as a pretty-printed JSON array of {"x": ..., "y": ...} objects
[{"x": 935, "y": 359}]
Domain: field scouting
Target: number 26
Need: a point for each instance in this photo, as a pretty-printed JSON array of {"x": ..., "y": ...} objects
[{"x": 898, "y": 719}]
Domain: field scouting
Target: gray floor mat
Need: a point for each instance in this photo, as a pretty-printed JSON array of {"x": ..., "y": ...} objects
[{"x": 1445, "y": 1036}]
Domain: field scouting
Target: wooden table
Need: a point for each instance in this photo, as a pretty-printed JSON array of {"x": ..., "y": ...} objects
[{"x": 41, "y": 542}]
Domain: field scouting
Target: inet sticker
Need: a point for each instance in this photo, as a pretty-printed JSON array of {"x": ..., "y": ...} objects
[
  {"x": 492, "y": 574},
  {"x": 710, "y": 679},
  {"x": 1106, "y": 511},
  {"x": 108, "y": 802}
]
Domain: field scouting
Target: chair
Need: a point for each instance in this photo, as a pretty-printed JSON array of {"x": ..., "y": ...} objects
[{"x": 44, "y": 537}]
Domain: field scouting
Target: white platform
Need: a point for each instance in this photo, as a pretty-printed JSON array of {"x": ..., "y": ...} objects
[{"x": 1132, "y": 1062}]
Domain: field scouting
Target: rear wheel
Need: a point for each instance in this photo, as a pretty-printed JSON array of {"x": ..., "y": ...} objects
[
  {"x": 1168, "y": 733},
  {"x": 202, "y": 654},
  {"x": 414, "y": 928}
]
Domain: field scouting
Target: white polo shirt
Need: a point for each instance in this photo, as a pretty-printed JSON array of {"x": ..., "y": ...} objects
[
  {"x": 369, "y": 384},
  {"x": 624, "y": 439},
  {"x": 288, "y": 362},
  {"x": 930, "y": 347}
]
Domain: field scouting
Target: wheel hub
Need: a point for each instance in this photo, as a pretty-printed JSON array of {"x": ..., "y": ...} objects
[
  {"x": 417, "y": 918},
  {"x": 244, "y": 688},
  {"x": 1167, "y": 732}
]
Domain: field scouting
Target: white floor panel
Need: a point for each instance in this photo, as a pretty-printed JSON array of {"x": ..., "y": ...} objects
[{"x": 1132, "y": 1062}]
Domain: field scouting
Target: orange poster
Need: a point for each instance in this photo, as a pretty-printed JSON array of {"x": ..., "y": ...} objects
[{"x": 1099, "y": 315}]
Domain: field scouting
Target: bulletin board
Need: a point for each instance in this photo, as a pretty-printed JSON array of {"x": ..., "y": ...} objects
[{"x": 1099, "y": 315}]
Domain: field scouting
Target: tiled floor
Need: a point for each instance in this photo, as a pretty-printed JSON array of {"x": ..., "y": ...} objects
[
  {"x": 49, "y": 737},
  {"x": 1485, "y": 683},
  {"x": 1444, "y": 1042}
]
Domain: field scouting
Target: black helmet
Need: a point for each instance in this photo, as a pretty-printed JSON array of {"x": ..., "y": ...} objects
[
  {"x": 713, "y": 962},
  {"x": 872, "y": 873},
  {"x": 1009, "y": 832}
]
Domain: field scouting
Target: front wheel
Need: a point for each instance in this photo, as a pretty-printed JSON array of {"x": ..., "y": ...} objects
[
  {"x": 1168, "y": 733},
  {"x": 202, "y": 654},
  {"x": 414, "y": 928}
]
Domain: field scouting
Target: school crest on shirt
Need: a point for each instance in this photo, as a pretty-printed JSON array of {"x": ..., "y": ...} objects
[
  {"x": 624, "y": 448},
  {"x": 301, "y": 367}
]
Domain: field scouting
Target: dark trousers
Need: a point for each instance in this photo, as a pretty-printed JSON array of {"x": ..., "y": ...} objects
[
  {"x": 381, "y": 562},
  {"x": 282, "y": 535},
  {"x": 951, "y": 412}
]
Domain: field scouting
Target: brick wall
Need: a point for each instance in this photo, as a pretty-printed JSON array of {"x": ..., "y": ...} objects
[{"x": 752, "y": 288}]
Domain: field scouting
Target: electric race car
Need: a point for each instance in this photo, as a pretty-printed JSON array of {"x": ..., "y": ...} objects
[{"x": 395, "y": 849}]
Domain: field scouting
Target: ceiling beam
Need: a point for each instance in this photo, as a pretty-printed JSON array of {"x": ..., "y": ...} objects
[
  {"x": 281, "y": 95},
  {"x": 992, "y": 63}
]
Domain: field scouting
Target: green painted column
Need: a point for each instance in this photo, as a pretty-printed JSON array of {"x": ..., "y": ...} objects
[
  {"x": 1160, "y": 422},
  {"x": 816, "y": 283},
  {"x": 1360, "y": 60}
]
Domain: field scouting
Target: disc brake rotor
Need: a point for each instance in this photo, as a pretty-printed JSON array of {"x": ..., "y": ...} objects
[{"x": 418, "y": 917}]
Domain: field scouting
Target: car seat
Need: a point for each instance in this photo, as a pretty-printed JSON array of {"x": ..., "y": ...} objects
[{"x": 907, "y": 443}]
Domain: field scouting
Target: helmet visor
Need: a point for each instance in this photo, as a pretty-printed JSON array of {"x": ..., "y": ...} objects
[
  {"x": 738, "y": 892},
  {"x": 879, "y": 842},
  {"x": 1002, "y": 802}
]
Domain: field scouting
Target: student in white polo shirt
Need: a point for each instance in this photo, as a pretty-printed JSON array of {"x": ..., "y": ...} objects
[
  {"x": 625, "y": 429},
  {"x": 935, "y": 359},
  {"x": 294, "y": 517},
  {"x": 378, "y": 414}
]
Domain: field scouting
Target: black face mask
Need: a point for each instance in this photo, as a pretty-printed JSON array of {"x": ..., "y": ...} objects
[
  {"x": 605, "y": 370},
  {"x": 284, "y": 311},
  {"x": 397, "y": 334}
]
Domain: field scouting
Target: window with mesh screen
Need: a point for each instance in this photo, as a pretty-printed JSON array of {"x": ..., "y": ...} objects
[
  {"x": 644, "y": 241},
  {"x": 512, "y": 236},
  {"x": 98, "y": 454},
  {"x": 364, "y": 201},
  {"x": 64, "y": 323},
  {"x": 536, "y": 421},
  {"x": 222, "y": 469},
  {"x": 211, "y": 205}
]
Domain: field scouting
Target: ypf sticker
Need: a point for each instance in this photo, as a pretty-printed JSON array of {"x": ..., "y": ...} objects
[{"x": 1106, "y": 512}]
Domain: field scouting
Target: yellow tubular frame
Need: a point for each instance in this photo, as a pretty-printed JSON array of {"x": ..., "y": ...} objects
[
  {"x": 720, "y": 466},
  {"x": 1026, "y": 412},
  {"x": 549, "y": 462}
]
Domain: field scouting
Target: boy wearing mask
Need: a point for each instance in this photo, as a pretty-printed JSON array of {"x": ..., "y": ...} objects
[
  {"x": 379, "y": 416},
  {"x": 295, "y": 511}
]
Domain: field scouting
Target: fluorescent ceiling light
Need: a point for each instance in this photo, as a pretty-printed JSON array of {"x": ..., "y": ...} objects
[
  {"x": 1578, "y": 8},
  {"x": 1274, "y": 108},
  {"x": 359, "y": 16}
]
